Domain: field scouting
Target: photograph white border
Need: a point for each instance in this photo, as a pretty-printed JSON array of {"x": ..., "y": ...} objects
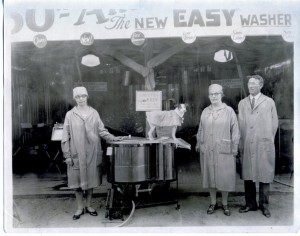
[{"x": 6, "y": 146}]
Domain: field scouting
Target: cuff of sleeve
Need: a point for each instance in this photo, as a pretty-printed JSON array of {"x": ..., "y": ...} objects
[{"x": 235, "y": 149}]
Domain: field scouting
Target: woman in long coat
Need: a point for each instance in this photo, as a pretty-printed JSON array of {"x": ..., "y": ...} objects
[
  {"x": 81, "y": 147},
  {"x": 217, "y": 140}
]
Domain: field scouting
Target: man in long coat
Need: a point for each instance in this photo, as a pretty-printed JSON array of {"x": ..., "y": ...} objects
[{"x": 258, "y": 122}]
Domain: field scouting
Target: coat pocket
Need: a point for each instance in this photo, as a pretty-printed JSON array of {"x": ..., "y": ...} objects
[
  {"x": 268, "y": 145},
  {"x": 225, "y": 146},
  {"x": 75, "y": 162}
]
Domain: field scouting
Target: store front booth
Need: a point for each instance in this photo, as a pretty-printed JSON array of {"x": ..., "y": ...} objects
[{"x": 178, "y": 52}]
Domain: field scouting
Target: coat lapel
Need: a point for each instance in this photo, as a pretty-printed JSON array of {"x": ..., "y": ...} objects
[
  {"x": 75, "y": 110},
  {"x": 259, "y": 101},
  {"x": 248, "y": 103}
]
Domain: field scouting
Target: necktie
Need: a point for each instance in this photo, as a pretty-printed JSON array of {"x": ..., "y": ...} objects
[{"x": 252, "y": 103}]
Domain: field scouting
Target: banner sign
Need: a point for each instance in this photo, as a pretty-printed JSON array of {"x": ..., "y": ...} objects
[
  {"x": 148, "y": 100},
  {"x": 155, "y": 22}
]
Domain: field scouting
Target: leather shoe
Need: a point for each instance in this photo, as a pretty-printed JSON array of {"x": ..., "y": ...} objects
[
  {"x": 226, "y": 211},
  {"x": 266, "y": 212},
  {"x": 92, "y": 213},
  {"x": 212, "y": 208},
  {"x": 76, "y": 217},
  {"x": 245, "y": 209}
]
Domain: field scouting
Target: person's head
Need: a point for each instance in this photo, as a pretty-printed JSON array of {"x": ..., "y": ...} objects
[
  {"x": 255, "y": 84},
  {"x": 80, "y": 95},
  {"x": 215, "y": 93},
  {"x": 181, "y": 107}
]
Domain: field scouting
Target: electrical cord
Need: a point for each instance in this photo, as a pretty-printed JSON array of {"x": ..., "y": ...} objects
[
  {"x": 279, "y": 182},
  {"x": 129, "y": 217}
]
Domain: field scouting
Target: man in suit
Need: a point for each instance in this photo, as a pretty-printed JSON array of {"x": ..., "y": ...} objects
[{"x": 258, "y": 122}]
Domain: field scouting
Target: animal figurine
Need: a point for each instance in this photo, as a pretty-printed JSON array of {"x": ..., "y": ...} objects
[{"x": 172, "y": 118}]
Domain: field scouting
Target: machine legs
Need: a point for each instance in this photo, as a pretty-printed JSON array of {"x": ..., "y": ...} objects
[{"x": 120, "y": 196}]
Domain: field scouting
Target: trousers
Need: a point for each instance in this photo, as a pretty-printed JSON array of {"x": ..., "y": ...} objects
[{"x": 250, "y": 194}]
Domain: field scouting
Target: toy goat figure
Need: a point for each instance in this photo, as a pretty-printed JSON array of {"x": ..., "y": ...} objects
[{"x": 172, "y": 118}]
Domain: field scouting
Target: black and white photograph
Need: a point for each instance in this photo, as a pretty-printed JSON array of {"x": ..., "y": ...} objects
[{"x": 146, "y": 116}]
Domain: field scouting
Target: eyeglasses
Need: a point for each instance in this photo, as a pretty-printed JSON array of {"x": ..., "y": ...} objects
[
  {"x": 253, "y": 84},
  {"x": 214, "y": 94},
  {"x": 80, "y": 96}
]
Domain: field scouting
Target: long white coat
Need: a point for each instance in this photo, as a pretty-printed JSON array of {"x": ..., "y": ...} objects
[
  {"x": 81, "y": 142},
  {"x": 218, "y": 137},
  {"x": 258, "y": 128}
]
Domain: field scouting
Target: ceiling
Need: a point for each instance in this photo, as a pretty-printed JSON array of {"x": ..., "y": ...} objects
[{"x": 254, "y": 52}]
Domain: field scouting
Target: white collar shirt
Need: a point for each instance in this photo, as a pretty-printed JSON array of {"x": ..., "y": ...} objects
[{"x": 256, "y": 96}]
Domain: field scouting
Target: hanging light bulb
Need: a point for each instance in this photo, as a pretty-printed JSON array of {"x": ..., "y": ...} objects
[
  {"x": 90, "y": 60},
  {"x": 223, "y": 56}
]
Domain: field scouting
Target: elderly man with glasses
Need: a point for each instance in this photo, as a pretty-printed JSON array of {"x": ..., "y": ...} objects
[{"x": 258, "y": 123}]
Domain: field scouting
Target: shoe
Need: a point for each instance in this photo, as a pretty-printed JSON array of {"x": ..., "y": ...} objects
[
  {"x": 266, "y": 212},
  {"x": 76, "y": 217},
  {"x": 226, "y": 211},
  {"x": 245, "y": 209},
  {"x": 92, "y": 213},
  {"x": 212, "y": 208}
]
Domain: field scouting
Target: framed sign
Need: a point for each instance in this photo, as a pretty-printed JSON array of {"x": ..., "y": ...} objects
[{"x": 148, "y": 100}]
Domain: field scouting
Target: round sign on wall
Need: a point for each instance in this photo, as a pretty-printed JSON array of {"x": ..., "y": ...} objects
[
  {"x": 238, "y": 36},
  {"x": 40, "y": 41},
  {"x": 288, "y": 35},
  {"x": 87, "y": 39},
  {"x": 188, "y": 37},
  {"x": 138, "y": 38}
]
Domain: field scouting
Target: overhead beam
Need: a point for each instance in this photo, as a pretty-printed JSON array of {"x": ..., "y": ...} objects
[
  {"x": 162, "y": 57},
  {"x": 146, "y": 71}
]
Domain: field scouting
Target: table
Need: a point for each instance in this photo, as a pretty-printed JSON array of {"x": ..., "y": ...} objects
[{"x": 55, "y": 137}]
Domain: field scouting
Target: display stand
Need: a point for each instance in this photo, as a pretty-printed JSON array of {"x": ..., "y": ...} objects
[{"x": 55, "y": 137}]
